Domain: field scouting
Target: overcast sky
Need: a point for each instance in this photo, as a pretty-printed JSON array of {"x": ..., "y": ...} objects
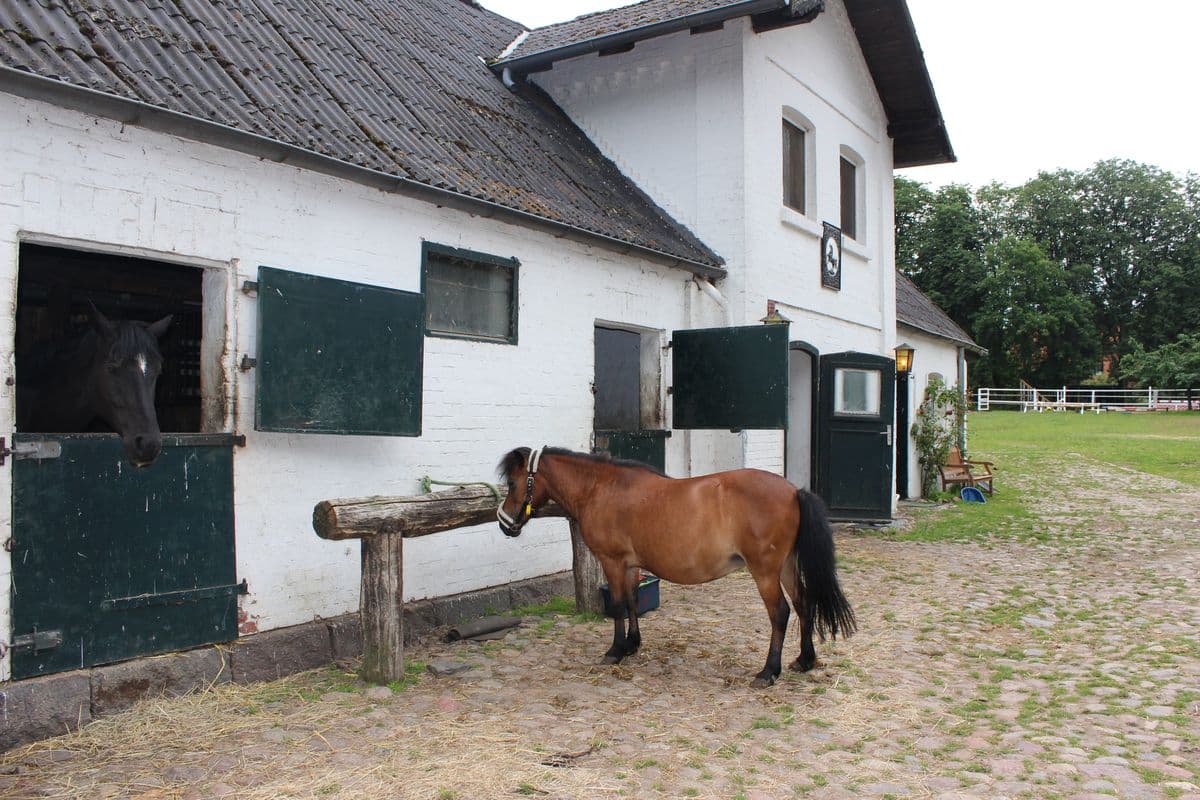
[{"x": 1037, "y": 86}]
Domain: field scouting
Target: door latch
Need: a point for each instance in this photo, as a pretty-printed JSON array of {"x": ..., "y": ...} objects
[
  {"x": 888, "y": 434},
  {"x": 35, "y": 450},
  {"x": 36, "y": 642}
]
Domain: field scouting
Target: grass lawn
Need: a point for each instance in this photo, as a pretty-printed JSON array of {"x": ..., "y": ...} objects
[
  {"x": 1161, "y": 443},
  {"x": 1166, "y": 444}
]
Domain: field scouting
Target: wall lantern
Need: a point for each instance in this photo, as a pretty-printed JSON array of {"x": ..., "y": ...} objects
[{"x": 904, "y": 358}]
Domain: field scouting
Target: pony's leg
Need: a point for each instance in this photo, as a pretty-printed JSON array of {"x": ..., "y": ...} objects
[
  {"x": 777, "y": 609},
  {"x": 634, "y": 638},
  {"x": 794, "y": 587},
  {"x": 614, "y": 572}
]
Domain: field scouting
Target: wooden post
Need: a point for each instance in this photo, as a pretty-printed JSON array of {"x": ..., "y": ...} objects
[
  {"x": 381, "y": 607},
  {"x": 588, "y": 575},
  {"x": 383, "y": 523}
]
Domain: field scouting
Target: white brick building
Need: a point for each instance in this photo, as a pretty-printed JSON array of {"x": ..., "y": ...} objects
[{"x": 684, "y": 229}]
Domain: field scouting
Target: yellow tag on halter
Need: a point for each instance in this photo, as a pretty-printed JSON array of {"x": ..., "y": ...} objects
[{"x": 529, "y": 509}]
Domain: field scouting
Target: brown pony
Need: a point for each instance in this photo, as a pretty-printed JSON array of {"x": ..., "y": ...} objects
[{"x": 690, "y": 530}]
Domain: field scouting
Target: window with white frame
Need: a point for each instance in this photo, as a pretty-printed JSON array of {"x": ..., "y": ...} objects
[
  {"x": 852, "y": 181},
  {"x": 797, "y": 162}
]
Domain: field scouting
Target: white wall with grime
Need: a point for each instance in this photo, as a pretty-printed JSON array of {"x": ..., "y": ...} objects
[{"x": 72, "y": 179}]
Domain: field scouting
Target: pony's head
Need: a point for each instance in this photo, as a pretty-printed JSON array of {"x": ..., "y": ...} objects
[
  {"x": 123, "y": 380},
  {"x": 518, "y": 470}
]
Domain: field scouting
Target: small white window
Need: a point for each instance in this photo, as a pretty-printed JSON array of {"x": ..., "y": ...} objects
[{"x": 856, "y": 392}]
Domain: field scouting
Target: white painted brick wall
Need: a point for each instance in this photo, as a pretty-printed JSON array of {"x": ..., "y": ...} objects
[
  {"x": 695, "y": 120},
  {"x": 72, "y": 176}
]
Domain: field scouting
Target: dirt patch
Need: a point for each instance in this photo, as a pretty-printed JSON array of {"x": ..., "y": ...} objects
[{"x": 997, "y": 669}]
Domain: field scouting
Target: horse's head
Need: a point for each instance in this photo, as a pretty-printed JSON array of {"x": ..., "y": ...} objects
[
  {"x": 124, "y": 376},
  {"x": 518, "y": 470}
]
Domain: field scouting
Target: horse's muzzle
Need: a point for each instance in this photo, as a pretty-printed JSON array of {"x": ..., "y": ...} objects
[{"x": 508, "y": 525}]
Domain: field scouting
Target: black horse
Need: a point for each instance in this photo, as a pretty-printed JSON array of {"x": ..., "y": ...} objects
[{"x": 106, "y": 375}]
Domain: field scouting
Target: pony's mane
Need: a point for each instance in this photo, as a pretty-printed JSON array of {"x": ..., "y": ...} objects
[{"x": 518, "y": 456}]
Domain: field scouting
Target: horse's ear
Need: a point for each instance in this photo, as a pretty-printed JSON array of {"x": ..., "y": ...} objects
[
  {"x": 160, "y": 327},
  {"x": 99, "y": 321}
]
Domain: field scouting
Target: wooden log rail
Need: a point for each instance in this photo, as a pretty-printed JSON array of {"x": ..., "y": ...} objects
[{"x": 383, "y": 523}]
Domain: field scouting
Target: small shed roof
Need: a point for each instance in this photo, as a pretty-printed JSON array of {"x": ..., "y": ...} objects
[
  {"x": 396, "y": 91},
  {"x": 916, "y": 310}
]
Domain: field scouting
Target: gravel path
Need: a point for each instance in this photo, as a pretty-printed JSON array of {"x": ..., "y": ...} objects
[{"x": 1060, "y": 666}]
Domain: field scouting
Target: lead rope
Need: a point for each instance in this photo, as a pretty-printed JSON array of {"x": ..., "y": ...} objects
[{"x": 427, "y": 484}]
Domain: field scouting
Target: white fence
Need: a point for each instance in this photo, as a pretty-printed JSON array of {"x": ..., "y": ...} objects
[{"x": 1028, "y": 398}]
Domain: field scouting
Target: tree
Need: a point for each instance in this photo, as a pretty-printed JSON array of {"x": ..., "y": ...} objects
[
  {"x": 939, "y": 244},
  {"x": 1173, "y": 365},
  {"x": 1123, "y": 239},
  {"x": 1033, "y": 325}
]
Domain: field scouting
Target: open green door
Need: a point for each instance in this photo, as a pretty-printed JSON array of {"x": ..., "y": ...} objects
[
  {"x": 337, "y": 356},
  {"x": 730, "y": 378}
]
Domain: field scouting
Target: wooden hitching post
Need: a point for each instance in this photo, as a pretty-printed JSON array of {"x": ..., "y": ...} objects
[{"x": 382, "y": 523}]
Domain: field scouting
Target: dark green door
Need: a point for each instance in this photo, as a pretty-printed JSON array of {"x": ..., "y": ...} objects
[
  {"x": 855, "y": 435},
  {"x": 337, "y": 356},
  {"x": 648, "y": 447},
  {"x": 111, "y": 562},
  {"x": 730, "y": 378}
]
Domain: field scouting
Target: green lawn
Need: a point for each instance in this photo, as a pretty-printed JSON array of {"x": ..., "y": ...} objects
[{"x": 1163, "y": 443}]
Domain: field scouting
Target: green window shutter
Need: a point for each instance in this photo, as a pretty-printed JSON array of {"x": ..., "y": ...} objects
[
  {"x": 337, "y": 357},
  {"x": 730, "y": 378}
]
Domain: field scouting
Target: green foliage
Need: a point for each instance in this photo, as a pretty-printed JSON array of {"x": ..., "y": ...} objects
[
  {"x": 1176, "y": 364},
  {"x": 938, "y": 420},
  {"x": 1109, "y": 257},
  {"x": 1037, "y": 327}
]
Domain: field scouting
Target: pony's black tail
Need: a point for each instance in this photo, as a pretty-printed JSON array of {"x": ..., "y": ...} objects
[{"x": 815, "y": 562}]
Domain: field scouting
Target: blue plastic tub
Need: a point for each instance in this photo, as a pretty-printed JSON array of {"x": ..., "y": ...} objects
[{"x": 647, "y": 596}]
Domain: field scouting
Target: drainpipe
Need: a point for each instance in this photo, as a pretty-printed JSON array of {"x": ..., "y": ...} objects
[
  {"x": 707, "y": 287},
  {"x": 962, "y": 389}
]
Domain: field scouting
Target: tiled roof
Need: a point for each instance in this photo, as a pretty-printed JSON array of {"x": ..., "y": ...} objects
[
  {"x": 604, "y": 23},
  {"x": 397, "y": 87},
  {"x": 916, "y": 310}
]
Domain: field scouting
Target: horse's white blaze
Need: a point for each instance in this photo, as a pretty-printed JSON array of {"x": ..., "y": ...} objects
[{"x": 143, "y": 365}]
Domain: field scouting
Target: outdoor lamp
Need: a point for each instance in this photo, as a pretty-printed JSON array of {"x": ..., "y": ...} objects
[
  {"x": 775, "y": 318},
  {"x": 904, "y": 358}
]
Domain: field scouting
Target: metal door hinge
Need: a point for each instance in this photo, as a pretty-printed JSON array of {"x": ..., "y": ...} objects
[
  {"x": 249, "y": 287},
  {"x": 248, "y": 363}
]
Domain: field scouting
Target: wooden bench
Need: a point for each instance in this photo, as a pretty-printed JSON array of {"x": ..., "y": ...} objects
[{"x": 962, "y": 472}]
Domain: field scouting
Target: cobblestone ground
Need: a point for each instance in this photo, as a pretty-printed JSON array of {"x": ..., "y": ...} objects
[{"x": 1060, "y": 666}]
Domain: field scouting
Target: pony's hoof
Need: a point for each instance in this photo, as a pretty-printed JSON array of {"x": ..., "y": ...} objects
[
  {"x": 800, "y": 665},
  {"x": 762, "y": 681},
  {"x": 610, "y": 659}
]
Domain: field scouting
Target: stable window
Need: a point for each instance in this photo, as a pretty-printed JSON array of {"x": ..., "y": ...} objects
[
  {"x": 851, "y": 195},
  {"x": 856, "y": 392},
  {"x": 469, "y": 295},
  {"x": 794, "y": 166}
]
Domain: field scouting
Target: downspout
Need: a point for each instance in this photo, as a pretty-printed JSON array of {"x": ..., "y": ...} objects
[{"x": 962, "y": 389}]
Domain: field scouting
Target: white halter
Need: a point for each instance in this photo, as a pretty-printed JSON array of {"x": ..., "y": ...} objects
[{"x": 526, "y": 509}]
